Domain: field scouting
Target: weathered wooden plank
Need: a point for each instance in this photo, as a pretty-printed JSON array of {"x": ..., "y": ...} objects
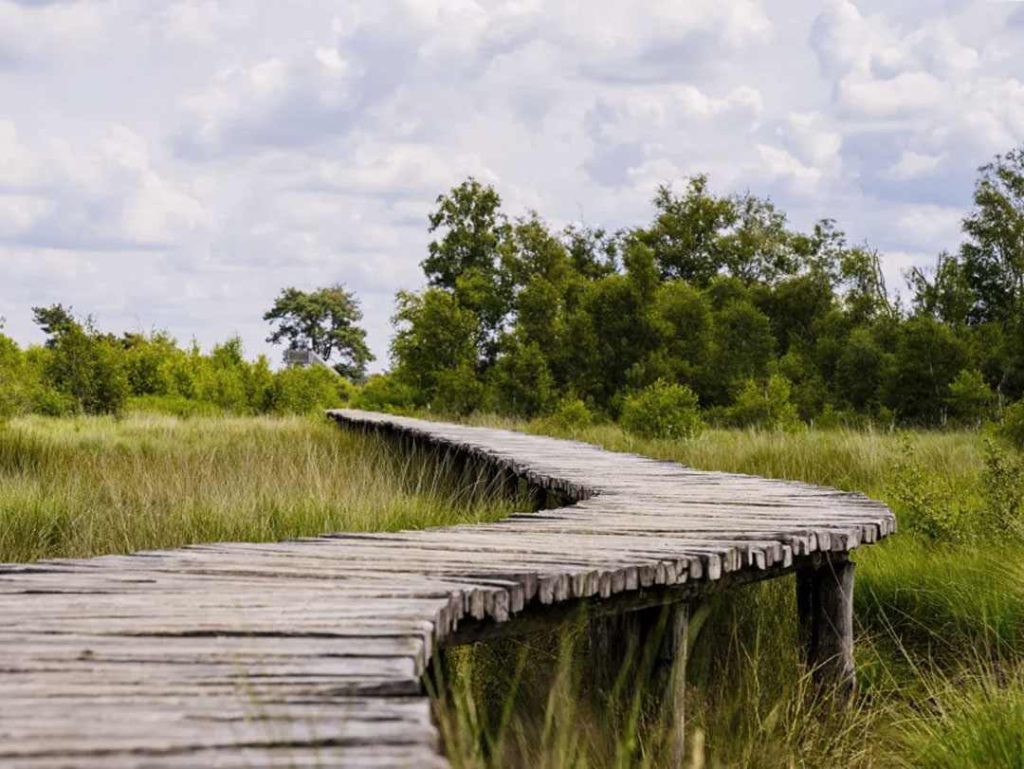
[{"x": 309, "y": 652}]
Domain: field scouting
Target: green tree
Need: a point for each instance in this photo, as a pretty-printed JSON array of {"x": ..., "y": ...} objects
[
  {"x": 971, "y": 400},
  {"x": 861, "y": 370},
  {"x": 522, "y": 381},
  {"x": 928, "y": 357},
  {"x": 744, "y": 347},
  {"x": 758, "y": 247},
  {"x": 15, "y": 382},
  {"x": 83, "y": 364},
  {"x": 993, "y": 253},
  {"x": 466, "y": 258},
  {"x": 686, "y": 233},
  {"x": 433, "y": 335},
  {"x": 325, "y": 321}
]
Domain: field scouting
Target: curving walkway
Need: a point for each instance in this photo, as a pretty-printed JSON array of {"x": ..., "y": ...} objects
[{"x": 309, "y": 653}]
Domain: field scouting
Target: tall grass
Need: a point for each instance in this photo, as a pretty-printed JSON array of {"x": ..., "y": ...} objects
[
  {"x": 939, "y": 609},
  {"x": 93, "y": 485}
]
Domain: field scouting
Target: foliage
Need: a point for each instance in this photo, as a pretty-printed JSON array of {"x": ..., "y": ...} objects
[
  {"x": 765, "y": 404},
  {"x": 570, "y": 416},
  {"x": 434, "y": 335},
  {"x": 662, "y": 410},
  {"x": 83, "y": 364},
  {"x": 310, "y": 390},
  {"x": 971, "y": 400},
  {"x": 522, "y": 382},
  {"x": 14, "y": 380},
  {"x": 1003, "y": 484},
  {"x": 929, "y": 507},
  {"x": 715, "y": 291},
  {"x": 326, "y": 322},
  {"x": 384, "y": 392},
  {"x": 1012, "y": 426}
]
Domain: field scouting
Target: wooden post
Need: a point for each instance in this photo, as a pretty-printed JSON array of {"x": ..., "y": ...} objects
[
  {"x": 824, "y": 598},
  {"x": 627, "y": 638},
  {"x": 674, "y": 651}
]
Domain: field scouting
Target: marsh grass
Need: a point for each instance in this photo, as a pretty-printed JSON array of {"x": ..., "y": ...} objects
[
  {"x": 940, "y": 627},
  {"x": 940, "y": 608},
  {"x": 93, "y": 485}
]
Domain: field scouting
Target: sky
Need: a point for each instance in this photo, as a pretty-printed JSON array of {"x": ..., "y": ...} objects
[{"x": 173, "y": 165}]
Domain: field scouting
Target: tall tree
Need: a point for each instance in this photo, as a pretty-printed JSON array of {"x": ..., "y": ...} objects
[
  {"x": 686, "y": 233},
  {"x": 324, "y": 321},
  {"x": 466, "y": 258}
]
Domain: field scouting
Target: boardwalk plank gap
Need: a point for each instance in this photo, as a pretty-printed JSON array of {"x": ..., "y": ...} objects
[{"x": 311, "y": 652}]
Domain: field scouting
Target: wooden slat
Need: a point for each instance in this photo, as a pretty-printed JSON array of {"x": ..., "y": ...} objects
[{"x": 310, "y": 652}]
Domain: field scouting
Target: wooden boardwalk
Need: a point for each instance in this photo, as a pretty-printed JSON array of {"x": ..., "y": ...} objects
[{"x": 310, "y": 653}]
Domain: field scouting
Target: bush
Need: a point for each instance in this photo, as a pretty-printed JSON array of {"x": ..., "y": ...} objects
[
  {"x": 458, "y": 392},
  {"x": 570, "y": 415},
  {"x": 88, "y": 368},
  {"x": 13, "y": 380},
  {"x": 928, "y": 508},
  {"x": 1012, "y": 427},
  {"x": 663, "y": 410},
  {"x": 307, "y": 390},
  {"x": 766, "y": 406},
  {"x": 832, "y": 418},
  {"x": 970, "y": 398},
  {"x": 383, "y": 392},
  {"x": 1003, "y": 488}
]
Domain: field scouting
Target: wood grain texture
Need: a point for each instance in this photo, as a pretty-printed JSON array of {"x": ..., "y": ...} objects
[{"x": 311, "y": 652}]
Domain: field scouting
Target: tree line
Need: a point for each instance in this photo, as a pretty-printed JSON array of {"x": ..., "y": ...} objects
[
  {"x": 718, "y": 301},
  {"x": 716, "y": 309}
]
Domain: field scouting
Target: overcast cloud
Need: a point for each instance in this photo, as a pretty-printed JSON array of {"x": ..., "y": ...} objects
[{"x": 174, "y": 164}]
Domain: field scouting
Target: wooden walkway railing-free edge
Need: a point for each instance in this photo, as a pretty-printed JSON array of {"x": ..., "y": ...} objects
[{"x": 311, "y": 652}]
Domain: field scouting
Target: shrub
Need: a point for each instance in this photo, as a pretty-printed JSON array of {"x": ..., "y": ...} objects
[
  {"x": 307, "y": 390},
  {"x": 522, "y": 382},
  {"x": 1012, "y": 427},
  {"x": 662, "y": 410},
  {"x": 383, "y": 392},
  {"x": 458, "y": 391},
  {"x": 765, "y": 405},
  {"x": 970, "y": 398},
  {"x": 929, "y": 508},
  {"x": 13, "y": 379},
  {"x": 88, "y": 368},
  {"x": 570, "y": 415},
  {"x": 1003, "y": 488}
]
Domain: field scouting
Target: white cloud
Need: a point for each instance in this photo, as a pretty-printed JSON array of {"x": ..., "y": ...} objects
[
  {"x": 912, "y": 165},
  {"x": 35, "y": 33},
  {"x": 175, "y": 164}
]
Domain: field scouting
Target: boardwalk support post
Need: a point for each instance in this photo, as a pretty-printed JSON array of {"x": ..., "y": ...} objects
[
  {"x": 672, "y": 656},
  {"x": 653, "y": 642},
  {"x": 824, "y": 597}
]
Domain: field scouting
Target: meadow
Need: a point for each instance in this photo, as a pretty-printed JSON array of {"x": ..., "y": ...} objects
[
  {"x": 94, "y": 485},
  {"x": 940, "y": 607}
]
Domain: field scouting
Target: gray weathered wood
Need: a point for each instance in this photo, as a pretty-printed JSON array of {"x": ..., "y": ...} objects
[
  {"x": 311, "y": 652},
  {"x": 824, "y": 593}
]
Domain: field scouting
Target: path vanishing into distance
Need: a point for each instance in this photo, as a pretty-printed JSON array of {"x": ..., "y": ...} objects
[{"x": 310, "y": 653}]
